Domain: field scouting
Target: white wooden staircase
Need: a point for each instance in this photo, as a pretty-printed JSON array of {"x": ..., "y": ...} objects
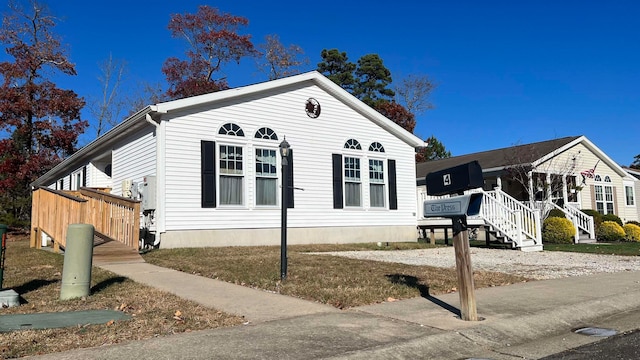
[
  {"x": 510, "y": 221},
  {"x": 513, "y": 222}
]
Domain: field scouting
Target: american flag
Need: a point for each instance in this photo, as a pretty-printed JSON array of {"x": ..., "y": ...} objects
[{"x": 589, "y": 173}]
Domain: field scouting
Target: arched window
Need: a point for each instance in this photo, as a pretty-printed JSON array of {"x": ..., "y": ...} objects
[
  {"x": 607, "y": 179},
  {"x": 231, "y": 129},
  {"x": 266, "y": 133},
  {"x": 352, "y": 144},
  {"x": 597, "y": 178},
  {"x": 376, "y": 147}
]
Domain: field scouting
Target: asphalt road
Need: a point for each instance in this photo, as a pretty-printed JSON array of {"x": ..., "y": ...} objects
[{"x": 624, "y": 346}]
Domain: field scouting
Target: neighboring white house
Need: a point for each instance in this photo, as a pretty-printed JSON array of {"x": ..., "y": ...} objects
[{"x": 208, "y": 170}]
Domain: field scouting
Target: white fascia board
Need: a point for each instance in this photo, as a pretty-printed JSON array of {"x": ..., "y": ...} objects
[
  {"x": 67, "y": 164},
  {"x": 589, "y": 145},
  {"x": 312, "y": 76},
  {"x": 559, "y": 150}
]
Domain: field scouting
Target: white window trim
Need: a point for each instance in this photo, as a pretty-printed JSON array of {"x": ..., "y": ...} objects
[
  {"x": 245, "y": 173},
  {"x": 625, "y": 185},
  {"x": 356, "y": 154},
  {"x": 278, "y": 176},
  {"x": 604, "y": 185},
  {"x": 385, "y": 183}
]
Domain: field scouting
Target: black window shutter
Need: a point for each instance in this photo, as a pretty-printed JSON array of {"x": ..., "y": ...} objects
[
  {"x": 290, "y": 181},
  {"x": 393, "y": 189},
  {"x": 337, "y": 181},
  {"x": 208, "y": 166},
  {"x": 84, "y": 176}
]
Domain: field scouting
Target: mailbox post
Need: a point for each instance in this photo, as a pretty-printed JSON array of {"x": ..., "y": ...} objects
[{"x": 451, "y": 181}]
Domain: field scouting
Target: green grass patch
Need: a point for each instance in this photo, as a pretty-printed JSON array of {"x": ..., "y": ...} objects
[{"x": 614, "y": 248}]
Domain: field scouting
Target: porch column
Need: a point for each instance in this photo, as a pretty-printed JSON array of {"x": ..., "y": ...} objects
[
  {"x": 565, "y": 196},
  {"x": 531, "y": 193},
  {"x": 499, "y": 183},
  {"x": 548, "y": 186}
]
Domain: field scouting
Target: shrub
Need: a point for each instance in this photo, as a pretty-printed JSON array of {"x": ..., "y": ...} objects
[
  {"x": 612, "y": 217},
  {"x": 633, "y": 222},
  {"x": 632, "y": 231},
  {"x": 558, "y": 230},
  {"x": 556, "y": 213},
  {"x": 597, "y": 217},
  {"x": 610, "y": 231}
]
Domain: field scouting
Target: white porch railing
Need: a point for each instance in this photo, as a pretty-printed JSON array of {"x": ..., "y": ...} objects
[
  {"x": 582, "y": 221},
  {"x": 511, "y": 217},
  {"x": 571, "y": 217}
]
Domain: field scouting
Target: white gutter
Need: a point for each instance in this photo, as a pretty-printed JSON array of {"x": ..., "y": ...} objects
[
  {"x": 160, "y": 174},
  {"x": 92, "y": 146}
]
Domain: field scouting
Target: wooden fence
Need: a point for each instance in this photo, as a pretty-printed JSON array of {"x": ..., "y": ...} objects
[{"x": 114, "y": 216}]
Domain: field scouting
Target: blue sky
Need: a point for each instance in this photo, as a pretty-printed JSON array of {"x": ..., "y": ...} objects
[{"x": 508, "y": 72}]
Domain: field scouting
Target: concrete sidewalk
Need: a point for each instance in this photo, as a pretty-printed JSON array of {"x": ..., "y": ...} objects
[
  {"x": 255, "y": 305},
  {"x": 517, "y": 320}
]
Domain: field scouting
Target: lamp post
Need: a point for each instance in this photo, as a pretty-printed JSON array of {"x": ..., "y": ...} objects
[{"x": 284, "y": 153}]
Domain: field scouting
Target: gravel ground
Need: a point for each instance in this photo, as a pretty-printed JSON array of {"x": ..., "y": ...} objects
[{"x": 537, "y": 265}]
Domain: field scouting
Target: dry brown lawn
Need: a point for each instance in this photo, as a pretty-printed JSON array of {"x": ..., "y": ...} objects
[
  {"x": 36, "y": 275},
  {"x": 337, "y": 281}
]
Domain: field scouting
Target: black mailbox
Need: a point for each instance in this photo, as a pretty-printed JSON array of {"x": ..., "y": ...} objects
[{"x": 455, "y": 180}]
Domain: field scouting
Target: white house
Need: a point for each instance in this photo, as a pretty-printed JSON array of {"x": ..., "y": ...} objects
[
  {"x": 569, "y": 174},
  {"x": 208, "y": 170}
]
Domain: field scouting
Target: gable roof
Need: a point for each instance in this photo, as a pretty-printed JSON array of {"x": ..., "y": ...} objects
[
  {"x": 152, "y": 114},
  {"x": 528, "y": 154},
  {"x": 633, "y": 172},
  {"x": 498, "y": 159}
]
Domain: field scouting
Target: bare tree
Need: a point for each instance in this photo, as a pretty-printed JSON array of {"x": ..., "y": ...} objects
[
  {"x": 278, "y": 60},
  {"x": 108, "y": 109},
  {"x": 145, "y": 94},
  {"x": 542, "y": 182},
  {"x": 414, "y": 92}
]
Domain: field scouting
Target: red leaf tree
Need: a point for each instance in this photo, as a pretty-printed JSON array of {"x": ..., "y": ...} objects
[
  {"x": 213, "y": 41},
  {"x": 398, "y": 114},
  {"x": 39, "y": 122}
]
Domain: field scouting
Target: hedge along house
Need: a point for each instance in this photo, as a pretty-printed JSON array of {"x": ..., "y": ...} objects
[
  {"x": 522, "y": 183},
  {"x": 208, "y": 171}
]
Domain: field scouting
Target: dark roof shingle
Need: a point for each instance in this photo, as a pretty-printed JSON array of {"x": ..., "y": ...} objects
[{"x": 499, "y": 158}]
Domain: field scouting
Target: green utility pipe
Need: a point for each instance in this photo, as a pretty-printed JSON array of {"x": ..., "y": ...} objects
[
  {"x": 76, "y": 270},
  {"x": 3, "y": 248}
]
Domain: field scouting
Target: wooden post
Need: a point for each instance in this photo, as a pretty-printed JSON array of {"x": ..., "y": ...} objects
[
  {"x": 464, "y": 272},
  {"x": 446, "y": 236},
  {"x": 432, "y": 236}
]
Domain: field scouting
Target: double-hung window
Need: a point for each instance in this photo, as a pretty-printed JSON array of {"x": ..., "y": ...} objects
[
  {"x": 352, "y": 182},
  {"x": 266, "y": 177},
  {"x": 231, "y": 175},
  {"x": 604, "y": 195},
  {"x": 376, "y": 183},
  {"x": 629, "y": 195}
]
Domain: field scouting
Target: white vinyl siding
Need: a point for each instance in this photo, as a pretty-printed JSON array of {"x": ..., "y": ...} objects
[
  {"x": 312, "y": 143},
  {"x": 133, "y": 158}
]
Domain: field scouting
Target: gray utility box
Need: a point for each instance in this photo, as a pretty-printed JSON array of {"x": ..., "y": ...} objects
[{"x": 148, "y": 193}]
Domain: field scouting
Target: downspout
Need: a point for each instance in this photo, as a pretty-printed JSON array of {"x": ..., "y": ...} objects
[{"x": 154, "y": 119}]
